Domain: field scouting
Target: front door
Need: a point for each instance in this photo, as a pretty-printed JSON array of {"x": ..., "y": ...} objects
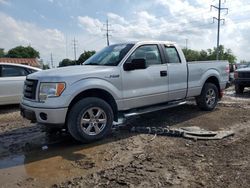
[
  {"x": 11, "y": 82},
  {"x": 148, "y": 86}
]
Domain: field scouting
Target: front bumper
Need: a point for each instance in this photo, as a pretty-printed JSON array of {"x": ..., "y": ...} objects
[
  {"x": 44, "y": 115},
  {"x": 243, "y": 81}
]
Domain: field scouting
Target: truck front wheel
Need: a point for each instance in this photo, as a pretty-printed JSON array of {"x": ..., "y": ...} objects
[
  {"x": 208, "y": 98},
  {"x": 90, "y": 119}
]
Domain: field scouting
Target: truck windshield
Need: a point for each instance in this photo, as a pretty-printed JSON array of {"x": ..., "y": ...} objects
[{"x": 110, "y": 56}]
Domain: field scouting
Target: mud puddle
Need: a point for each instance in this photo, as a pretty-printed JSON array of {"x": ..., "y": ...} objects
[
  {"x": 63, "y": 158},
  {"x": 53, "y": 165}
]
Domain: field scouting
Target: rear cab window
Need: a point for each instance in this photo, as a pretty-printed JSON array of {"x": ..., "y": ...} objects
[{"x": 172, "y": 54}]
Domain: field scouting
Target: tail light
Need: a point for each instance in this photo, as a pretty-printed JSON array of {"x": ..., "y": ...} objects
[{"x": 235, "y": 74}]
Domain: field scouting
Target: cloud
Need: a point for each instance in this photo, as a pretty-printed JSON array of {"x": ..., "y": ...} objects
[
  {"x": 5, "y": 2},
  {"x": 90, "y": 24},
  {"x": 44, "y": 40},
  {"x": 190, "y": 19},
  {"x": 170, "y": 20},
  {"x": 116, "y": 18}
]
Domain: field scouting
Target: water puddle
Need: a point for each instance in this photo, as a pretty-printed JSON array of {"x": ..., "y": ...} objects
[{"x": 52, "y": 164}]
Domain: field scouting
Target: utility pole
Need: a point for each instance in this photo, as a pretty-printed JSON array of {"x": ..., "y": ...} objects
[
  {"x": 74, "y": 47},
  {"x": 218, "y": 27},
  {"x": 107, "y": 30},
  {"x": 51, "y": 60},
  {"x": 66, "y": 46},
  {"x": 186, "y": 43}
]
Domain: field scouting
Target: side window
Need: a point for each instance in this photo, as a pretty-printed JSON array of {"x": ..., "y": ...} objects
[
  {"x": 9, "y": 71},
  {"x": 30, "y": 71},
  {"x": 150, "y": 53},
  {"x": 173, "y": 56}
]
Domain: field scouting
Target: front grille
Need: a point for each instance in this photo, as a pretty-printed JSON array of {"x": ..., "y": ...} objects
[
  {"x": 30, "y": 89},
  {"x": 244, "y": 74}
]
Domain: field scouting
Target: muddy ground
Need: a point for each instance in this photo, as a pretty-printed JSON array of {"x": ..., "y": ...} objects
[{"x": 31, "y": 158}]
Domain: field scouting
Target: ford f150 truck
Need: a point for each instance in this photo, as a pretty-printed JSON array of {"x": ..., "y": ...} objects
[{"x": 120, "y": 81}]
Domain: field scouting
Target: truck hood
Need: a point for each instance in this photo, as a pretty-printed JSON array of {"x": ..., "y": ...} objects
[
  {"x": 247, "y": 69},
  {"x": 74, "y": 73}
]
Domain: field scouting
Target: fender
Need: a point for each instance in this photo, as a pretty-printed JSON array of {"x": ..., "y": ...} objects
[
  {"x": 209, "y": 73},
  {"x": 114, "y": 87}
]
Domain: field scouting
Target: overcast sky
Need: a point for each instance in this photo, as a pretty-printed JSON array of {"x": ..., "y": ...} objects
[{"x": 51, "y": 25}]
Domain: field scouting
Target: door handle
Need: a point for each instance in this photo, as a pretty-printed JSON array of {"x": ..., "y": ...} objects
[{"x": 163, "y": 73}]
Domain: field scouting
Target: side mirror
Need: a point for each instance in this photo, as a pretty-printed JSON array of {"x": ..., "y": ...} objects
[{"x": 135, "y": 64}]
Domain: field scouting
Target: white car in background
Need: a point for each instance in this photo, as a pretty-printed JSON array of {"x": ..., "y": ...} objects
[{"x": 12, "y": 77}]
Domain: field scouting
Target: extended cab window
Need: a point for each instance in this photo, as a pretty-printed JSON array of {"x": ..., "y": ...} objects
[
  {"x": 150, "y": 53},
  {"x": 9, "y": 71},
  {"x": 173, "y": 56}
]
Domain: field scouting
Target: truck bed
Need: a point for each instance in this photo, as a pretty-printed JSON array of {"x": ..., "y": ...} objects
[{"x": 198, "y": 71}]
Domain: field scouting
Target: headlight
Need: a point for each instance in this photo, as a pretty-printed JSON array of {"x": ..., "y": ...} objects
[{"x": 50, "y": 90}]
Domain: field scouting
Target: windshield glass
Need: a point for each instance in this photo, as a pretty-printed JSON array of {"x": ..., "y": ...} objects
[{"x": 111, "y": 55}]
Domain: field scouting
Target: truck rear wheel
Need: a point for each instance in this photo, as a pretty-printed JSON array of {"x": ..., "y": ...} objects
[
  {"x": 239, "y": 89},
  {"x": 90, "y": 119},
  {"x": 208, "y": 98}
]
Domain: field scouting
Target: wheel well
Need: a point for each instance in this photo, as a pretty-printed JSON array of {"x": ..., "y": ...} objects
[
  {"x": 99, "y": 93},
  {"x": 215, "y": 81}
]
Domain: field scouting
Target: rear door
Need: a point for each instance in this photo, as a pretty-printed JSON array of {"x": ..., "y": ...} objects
[
  {"x": 177, "y": 73},
  {"x": 11, "y": 83},
  {"x": 145, "y": 86}
]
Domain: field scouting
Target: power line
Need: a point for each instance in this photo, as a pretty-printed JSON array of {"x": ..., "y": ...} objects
[
  {"x": 51, "y": 61},
  {"x": 218, "y": 27},
  {"x": 66, "y": 46},
  {"x": 107, "y": 30},
  {"x": 186, "y": 43},
  {"x": 183, "y": 28},
  {"x": 74, "y": 47}
]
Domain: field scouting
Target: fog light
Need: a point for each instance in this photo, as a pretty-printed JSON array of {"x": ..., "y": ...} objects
[{"x": 43, "y": 116}]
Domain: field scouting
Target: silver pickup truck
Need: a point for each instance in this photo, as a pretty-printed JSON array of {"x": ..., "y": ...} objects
[{"x": 120, "y": 81}]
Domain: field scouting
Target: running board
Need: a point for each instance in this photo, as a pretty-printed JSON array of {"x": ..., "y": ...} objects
[{"x": 154, "y": 108}]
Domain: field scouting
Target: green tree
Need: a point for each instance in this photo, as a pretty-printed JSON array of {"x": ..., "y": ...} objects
[
  {"x": 203, "y": 55},
  {"x": 244, "y": 62},
  {"x": 45, "y": 66},
  {"x": 210, "y": 54},
  {"x": 66, "y": 62},
  {"x": 2, "y": 52},
  {"x": 84, "y": 56},
  {"x": 23, "y": 52},
  {"x": 191, "y": 55}
]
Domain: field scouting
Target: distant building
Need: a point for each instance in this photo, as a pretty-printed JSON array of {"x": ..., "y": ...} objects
[{"x": 34, "y": 62}]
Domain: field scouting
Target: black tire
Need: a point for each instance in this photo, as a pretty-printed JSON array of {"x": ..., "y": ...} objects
[
  {"x": 239, "y": 89},
  {"x": 87, "y": 129},
  {"x": 208, "y": 98}
]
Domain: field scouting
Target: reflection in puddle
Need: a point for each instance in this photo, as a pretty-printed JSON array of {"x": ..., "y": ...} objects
[
  {"x": 12, "y": 161},
  {"x": 59, "y": 162}
]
